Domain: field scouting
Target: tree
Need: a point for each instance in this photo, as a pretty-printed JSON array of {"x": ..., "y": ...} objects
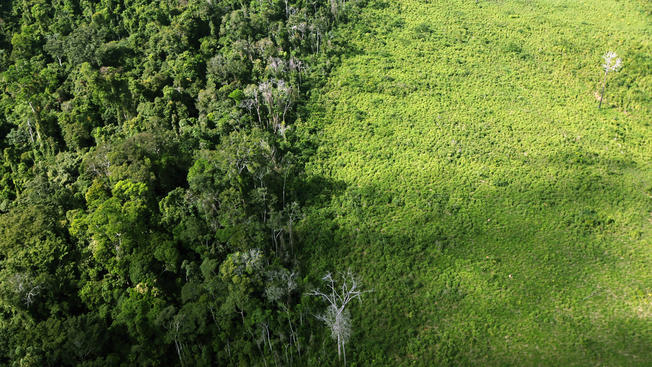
[
  {"x": 337, "y": 6},
  {"x": 277, "y": 97},
  {"x": 609, "y": 65},
  {"x": 118, "y": 230},
  {"x": 337, "y": 317}
]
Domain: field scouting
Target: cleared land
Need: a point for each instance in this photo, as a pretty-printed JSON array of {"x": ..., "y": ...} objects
[{"x": 499, "y": 216}]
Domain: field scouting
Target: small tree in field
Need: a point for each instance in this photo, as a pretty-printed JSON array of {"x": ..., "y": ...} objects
[
  {"x": 609, "y": 65},
  {"x": 337, "y": 317}
]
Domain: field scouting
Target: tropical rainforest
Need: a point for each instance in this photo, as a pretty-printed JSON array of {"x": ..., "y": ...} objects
[{"x": 325, "y": 183}]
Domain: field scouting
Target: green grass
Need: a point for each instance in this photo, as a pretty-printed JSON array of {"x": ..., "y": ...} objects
[{"x": 499, "y": 216}]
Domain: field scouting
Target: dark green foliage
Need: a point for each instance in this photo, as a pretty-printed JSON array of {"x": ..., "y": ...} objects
[{"x": 146, "y": 201}]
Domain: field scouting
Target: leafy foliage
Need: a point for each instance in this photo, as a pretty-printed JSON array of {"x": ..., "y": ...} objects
[{"x": 148, "y": 198}]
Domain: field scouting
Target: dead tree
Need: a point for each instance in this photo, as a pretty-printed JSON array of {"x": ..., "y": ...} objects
[
  {"x": 337, "y": 316},
  {"x": 609, "y": 65}
]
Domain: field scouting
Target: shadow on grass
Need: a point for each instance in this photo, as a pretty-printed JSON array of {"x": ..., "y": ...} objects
[{"x": 454, "y": 288}]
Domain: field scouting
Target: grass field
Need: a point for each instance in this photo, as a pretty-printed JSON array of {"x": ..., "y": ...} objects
[{"x": 499, "y": 216}]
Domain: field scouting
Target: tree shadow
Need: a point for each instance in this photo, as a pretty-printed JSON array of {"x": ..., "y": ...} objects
[{"x": 482, "y": 281}]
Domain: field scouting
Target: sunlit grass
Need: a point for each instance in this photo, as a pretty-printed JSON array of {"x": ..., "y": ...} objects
[{"x": 501, "y": 218}]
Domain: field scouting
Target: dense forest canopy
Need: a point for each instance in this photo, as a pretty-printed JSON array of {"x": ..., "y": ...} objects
[{"x": 150, "y": 180}]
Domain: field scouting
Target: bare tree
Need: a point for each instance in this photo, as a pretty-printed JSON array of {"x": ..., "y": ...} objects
[
  {"x": 316, "y": 35},
  {"x": 25, "y": 287},
  {"x": 337, "y": 317},
  {"x": 175, "y": 326},
  {"x": 337, "y": 6},
  {"x": 275, "y": 96},
  {"x": 609, "y": 65},
  {"x": 279, "y": 287}
]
